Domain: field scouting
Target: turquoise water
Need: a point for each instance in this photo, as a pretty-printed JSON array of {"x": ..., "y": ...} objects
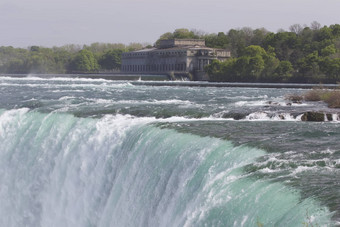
[{"x": 77, "y": 152}]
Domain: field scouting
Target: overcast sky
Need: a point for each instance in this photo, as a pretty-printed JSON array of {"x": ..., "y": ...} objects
[{"x": 58, "y": 22}]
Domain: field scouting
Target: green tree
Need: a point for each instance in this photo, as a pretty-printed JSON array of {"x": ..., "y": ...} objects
[
  {"x": 15, "y": 66},
  {"x": 284, "y": 70},
  {"x": 180, "y": 33},
  {"x": 84, "y": 62},
  {"x": 284, "y": 44},
  {"x": 331, "y": 68},
  {"x": 220, "y": 40},
  {"x": 254, "y": 65},
  {"x": 134, "y": 46},
  {"x": 111, "y": 59},
  {"x": 239, "y": 40},
  {"x": 335, "y": 30},
  {"x": 328, "y": 50},
  {"x": 183, "y": 33},
  {"x": 324, "y": 33},
  {"x": 259, "y": 36},
  {"x": 221, "y": 71},
  {"x": 309, "y": 65}
]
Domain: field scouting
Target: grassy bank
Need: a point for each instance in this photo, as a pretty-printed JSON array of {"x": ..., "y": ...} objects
[{"x": 330, "y": 96}]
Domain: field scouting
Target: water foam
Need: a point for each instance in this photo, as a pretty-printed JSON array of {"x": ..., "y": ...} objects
[
  {"x": 271, "y": 116},
  {"x": 33, "y": 77},
  {"x": 59, "y": 170}
]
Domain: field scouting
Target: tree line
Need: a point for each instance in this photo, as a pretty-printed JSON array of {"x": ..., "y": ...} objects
[
  {"x": 97, "y": 57},
  {"x": 305, "y": 54}
]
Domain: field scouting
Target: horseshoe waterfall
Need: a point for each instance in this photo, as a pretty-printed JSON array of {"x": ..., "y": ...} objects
[{"x": 93, "y": 152}]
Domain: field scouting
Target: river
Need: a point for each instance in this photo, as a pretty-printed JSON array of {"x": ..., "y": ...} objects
[{"x": 94, "y": 152}]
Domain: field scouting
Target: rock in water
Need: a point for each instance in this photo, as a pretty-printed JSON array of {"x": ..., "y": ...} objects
[
  {"x": 313, "y": 116},
  {"x": 329, "y": 117}
]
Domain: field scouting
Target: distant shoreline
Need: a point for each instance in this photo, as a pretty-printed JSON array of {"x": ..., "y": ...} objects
[
  {"x": 160, "y": 80},
  {"x": 225, "y": 84}
]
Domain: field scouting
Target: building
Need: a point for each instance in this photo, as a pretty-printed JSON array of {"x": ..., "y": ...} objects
[{"x": 173, "y": 57}]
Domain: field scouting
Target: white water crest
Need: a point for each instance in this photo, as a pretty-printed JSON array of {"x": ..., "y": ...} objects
[
  {"x": 33, "y": 77},
  {"x": 265, "y": 116},
  {"x": 60, "y": 170}
]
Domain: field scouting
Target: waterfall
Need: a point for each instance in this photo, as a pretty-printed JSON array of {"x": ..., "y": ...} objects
[{"x": 117, "y": 170}]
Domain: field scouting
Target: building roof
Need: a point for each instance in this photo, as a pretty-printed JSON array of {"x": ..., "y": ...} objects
[
  {"x": 168, "y": 43},
  {"x": 175, "y": 48},
  {"x": 179, "y": 45}
]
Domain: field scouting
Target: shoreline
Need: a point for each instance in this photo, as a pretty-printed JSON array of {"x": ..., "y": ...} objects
[
  {"x": 233, "y": 84},
  {"x": 159, "y": 80}
]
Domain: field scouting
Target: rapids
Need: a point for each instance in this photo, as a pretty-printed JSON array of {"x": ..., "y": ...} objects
[{"x": 78, "y": 152}]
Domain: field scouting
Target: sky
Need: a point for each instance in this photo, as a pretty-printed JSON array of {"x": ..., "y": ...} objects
[{"x": 48, "y": 23}]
